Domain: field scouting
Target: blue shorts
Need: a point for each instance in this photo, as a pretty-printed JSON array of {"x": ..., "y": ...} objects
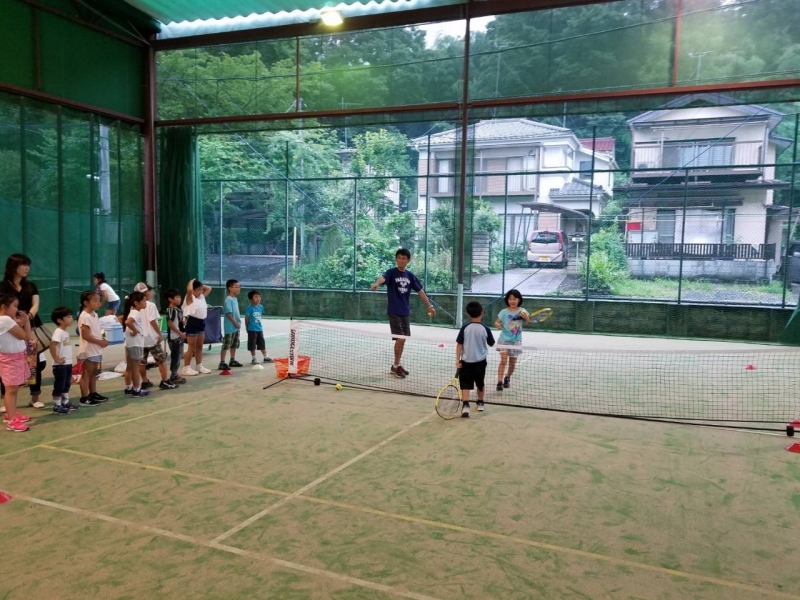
[
  {"x": 113, "y": 306},
  {"x": 195, "y": 326},
  {"x": 95, "y": 359}
]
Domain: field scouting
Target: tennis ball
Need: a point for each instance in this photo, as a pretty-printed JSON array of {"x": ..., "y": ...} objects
[
  {"x": 338, "y": 386},
  {"x": 317, "y": 381}
]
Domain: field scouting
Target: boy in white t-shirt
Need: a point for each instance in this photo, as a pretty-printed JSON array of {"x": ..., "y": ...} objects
[
  {"x": 61, "y": 351},
  {"x": 152, "y": 340}
]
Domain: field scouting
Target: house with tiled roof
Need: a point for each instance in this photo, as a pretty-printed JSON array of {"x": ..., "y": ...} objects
[
  {"x": 703, "y": 190},
  {"x": 517, "y": 166}
]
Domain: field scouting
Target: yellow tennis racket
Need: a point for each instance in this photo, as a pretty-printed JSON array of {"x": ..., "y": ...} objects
[
  {"x": 448, "y": 400},
  {"x": 541, "y": 315}
]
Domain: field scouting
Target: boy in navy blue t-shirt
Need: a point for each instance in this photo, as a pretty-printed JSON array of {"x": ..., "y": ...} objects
[{"x": 399, "y": 283}]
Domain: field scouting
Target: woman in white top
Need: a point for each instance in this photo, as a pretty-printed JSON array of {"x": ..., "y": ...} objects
[
  {"x": 134, "y": 320},
  {"x": 15, "y": 329},
  {"x": 195, "y": 309},
  {"x": 106, "y": 293}
]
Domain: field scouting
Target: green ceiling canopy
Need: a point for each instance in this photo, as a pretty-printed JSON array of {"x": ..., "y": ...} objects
[{"x": 175, "y": 11}]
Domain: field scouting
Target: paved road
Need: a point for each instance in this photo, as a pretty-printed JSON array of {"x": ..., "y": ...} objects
[{"x": 539, "y": 282}]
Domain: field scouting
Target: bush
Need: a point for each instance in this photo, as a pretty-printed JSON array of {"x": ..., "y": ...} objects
[{"x": 607, "y": 265}]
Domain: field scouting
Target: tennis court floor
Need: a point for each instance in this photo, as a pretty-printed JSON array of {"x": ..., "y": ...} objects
[{"x": 224, "y": 490}]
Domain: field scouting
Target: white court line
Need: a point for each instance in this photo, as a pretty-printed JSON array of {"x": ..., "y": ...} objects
[
  {"x": 316, "y": 482},
  {"x": 229, "y": 549}
]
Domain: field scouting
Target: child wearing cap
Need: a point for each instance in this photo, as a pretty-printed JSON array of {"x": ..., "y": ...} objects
[{"x": 152, "y": 341}]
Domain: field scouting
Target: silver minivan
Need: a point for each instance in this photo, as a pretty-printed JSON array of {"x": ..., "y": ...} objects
[{"x": 547, "y": 248}]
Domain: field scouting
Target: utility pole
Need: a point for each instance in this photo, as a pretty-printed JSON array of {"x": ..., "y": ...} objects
[{"x": 699, "y": 56}]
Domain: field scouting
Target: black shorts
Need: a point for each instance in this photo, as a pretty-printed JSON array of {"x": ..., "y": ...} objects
[
  {"x": 400, "y": 324},
  {"x": 472, "y": 375},
  {"x": 255, "y": 341}
]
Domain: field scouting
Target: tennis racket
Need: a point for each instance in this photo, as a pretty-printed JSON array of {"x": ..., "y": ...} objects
[
  {"x": 448, "y": 401},
  {"x": 541, "y": 315}
]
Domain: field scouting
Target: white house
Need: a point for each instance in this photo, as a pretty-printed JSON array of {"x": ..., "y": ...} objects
[
  {"x": 703, "y": 188},
  {"x": 517, "y": 165}
]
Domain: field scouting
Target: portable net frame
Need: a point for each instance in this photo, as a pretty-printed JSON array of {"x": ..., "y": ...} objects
[{"x": 751, "y": 386}]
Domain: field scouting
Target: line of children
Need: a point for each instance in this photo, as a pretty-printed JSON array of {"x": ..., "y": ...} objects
[{"x": 142, "y": 337}]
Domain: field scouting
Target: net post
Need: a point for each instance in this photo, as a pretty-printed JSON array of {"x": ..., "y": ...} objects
[
  {"x": 459, "y": 303},
  {"x": 293, "y": 349}
]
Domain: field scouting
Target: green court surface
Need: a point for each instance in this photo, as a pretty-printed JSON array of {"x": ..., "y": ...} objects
[{"x": 225, "y": 490}]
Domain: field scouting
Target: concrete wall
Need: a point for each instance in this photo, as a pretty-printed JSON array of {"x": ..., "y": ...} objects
[
  {"x": 719, "y": 270},
  {"x": 754, "y": 324}
]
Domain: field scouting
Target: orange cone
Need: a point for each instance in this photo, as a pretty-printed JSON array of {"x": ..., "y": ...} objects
[
  {"x": 4, "y": 497},
  {"x": 794, "y": 448},
  {"x": 750, "y": 368},
  {"x": 225, "y": 372}
]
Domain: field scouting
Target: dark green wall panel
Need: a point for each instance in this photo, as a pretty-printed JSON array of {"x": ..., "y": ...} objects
[
  {"x": 17, "y": 63},
  {"x": 87, "y": 66}
]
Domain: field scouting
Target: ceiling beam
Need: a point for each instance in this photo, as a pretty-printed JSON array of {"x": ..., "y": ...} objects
[{"x": 438, "y": 14}]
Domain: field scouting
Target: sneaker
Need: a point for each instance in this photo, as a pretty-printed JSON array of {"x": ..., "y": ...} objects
[
  {"x": 499, "y": 386},
  {"x": 88, "y": 401},
  {"x": 60, "y": 409},
  {"x": 2, "y": 409},
  {"x": 465, "y": 410},
  {"x": 70, "y": 406},
  {"x": 255, "y": 360},
  {"x": 266, "y": 359},
  {"x": 141, "y": 394},
  {"x": 166, "y": 385},
  {"x": 397, "y": 372},
  {"x": 507, "y": 382},
  {"x": 37, "y": 404},
  {"x": 177, "y": 380},
  {"x": 20, "y": 416},
  {"x": 235, "y": 363},
  {"x": 129, "y": 391},
  {"x": 405, "y": 373},
  {"x": 98, "y": 397},
  {"x": 480, "y": 406},
  {"x": 147, "y": 384},
  {"x": 223, "y": 366},
  {"x": 203, "y": 371},
  {"x": 189, "y": 372},
  {"x": 17, "y": 425}
]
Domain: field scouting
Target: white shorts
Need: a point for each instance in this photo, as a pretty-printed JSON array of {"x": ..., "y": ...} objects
[{"x": 511, "y": 352}]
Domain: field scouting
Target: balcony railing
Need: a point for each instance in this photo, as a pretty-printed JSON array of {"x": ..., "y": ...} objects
[
  {"x": 701, "y": 251},
  {"x": 699, "y": 155}
]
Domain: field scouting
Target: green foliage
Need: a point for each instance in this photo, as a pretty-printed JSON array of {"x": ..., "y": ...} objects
[
  {"x": 612, "y": 244},
  {"x": 485, "y": 220},
  {"x": 607, "y": 265},
  {"x": 517, "y": 256}
]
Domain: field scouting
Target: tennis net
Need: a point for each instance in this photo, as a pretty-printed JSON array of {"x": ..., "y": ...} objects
[{"x": 736, "y": 386}]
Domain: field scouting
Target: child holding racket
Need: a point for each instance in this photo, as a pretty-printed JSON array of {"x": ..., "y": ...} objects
[
  {"x": 471, "y": 350},
  {"x": 509, "y": 322}
]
